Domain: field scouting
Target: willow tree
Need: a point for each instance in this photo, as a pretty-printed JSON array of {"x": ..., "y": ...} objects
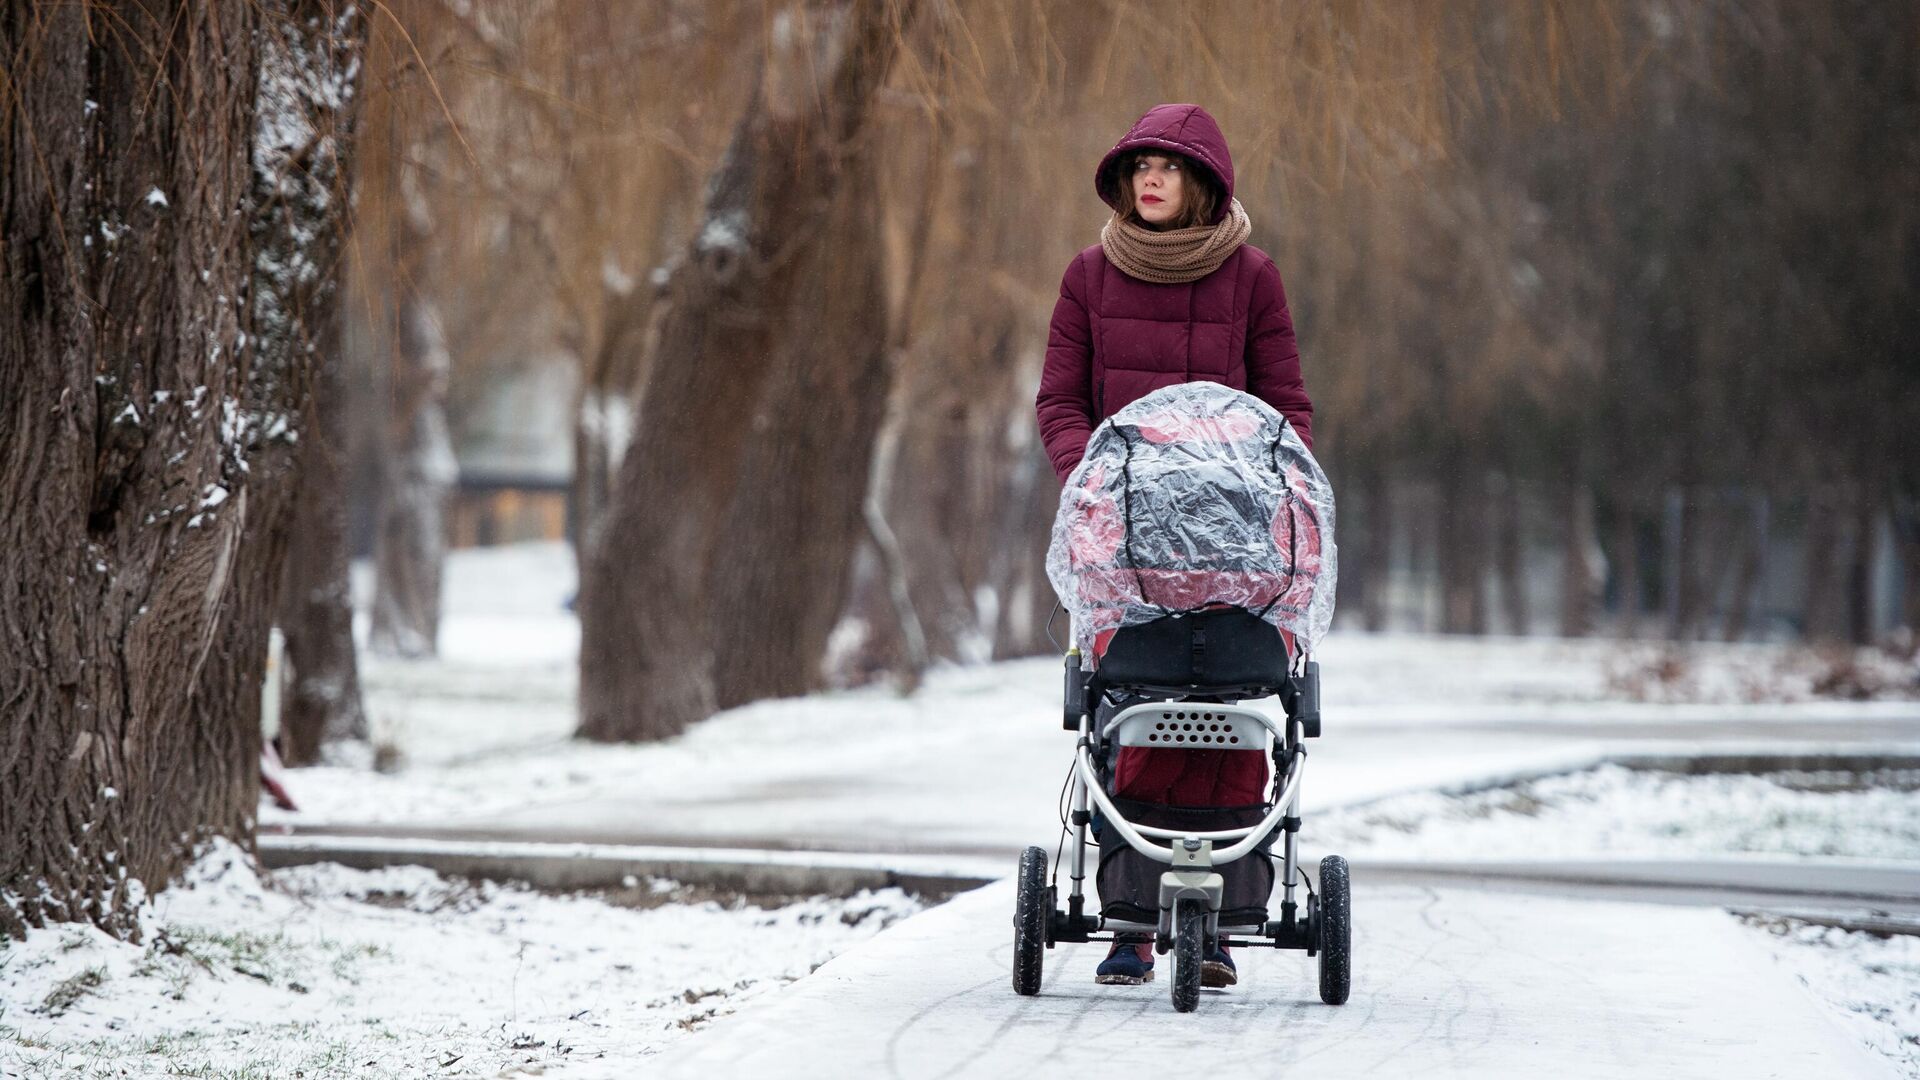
[
  {"x": 147, "y": 389},
  {"x": 724, "y": 546},
  {"x": 723, "y": 557}
]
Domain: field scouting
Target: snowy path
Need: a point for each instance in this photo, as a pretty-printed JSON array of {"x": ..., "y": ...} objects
[{"x": 1446, "y": 984}]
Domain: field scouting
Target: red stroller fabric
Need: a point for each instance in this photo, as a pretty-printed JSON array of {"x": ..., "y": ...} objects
[{"x": 1193, "y": 778}]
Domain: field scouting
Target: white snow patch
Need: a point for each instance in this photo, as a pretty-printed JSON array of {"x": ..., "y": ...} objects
[
  {"x": 156, "y": 197},
  {"x": 724, "y": 231},
  {"x": 401, "y": 972},
  {"x": 1871, "y": 983},
  {"x": 1634, "y": 813}
]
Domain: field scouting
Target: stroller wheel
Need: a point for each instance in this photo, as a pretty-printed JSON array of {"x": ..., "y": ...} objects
[
  {"x": 1335, "y": 931},
  {"x": 1030, "y": 914},
  {"x": 1189, "y": 946}
]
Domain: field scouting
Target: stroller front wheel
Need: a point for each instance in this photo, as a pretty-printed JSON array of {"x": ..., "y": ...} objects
[
  {"x": 1335, "y": 931},
  {"x": 1189, "y": 948},
  {"x": 1031, "y": 910}
]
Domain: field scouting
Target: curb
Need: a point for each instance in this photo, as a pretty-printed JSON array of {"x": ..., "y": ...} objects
[{"x": 606, "y": 866}]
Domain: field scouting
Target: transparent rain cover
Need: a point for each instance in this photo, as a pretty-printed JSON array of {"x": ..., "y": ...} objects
[{"x": 1193, "y": 495}]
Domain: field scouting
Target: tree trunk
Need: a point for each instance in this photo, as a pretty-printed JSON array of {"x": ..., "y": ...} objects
[
  {"x": 603, "y": 412},
  {"x": 1910, "y": 573},
  {"x": 1866, "y": 544},
  {"x": 137, "y": 412},
  {"x": 1685, "y": 595},
  {"x": 418, "y": 468},
  {"x": 1698, "y": 531},
  {"x": 1463, "y": 510},
  {"x": 323, "y": 703},
  {"x": 1821, "y": 613},
  {"x": 1583, "y": 568},
  {"x": 1028, "y": 599},
  {"x": 1626, "y": 559},
  {"x": 1750, "y": 571},
  {"x": 709, "y": 465},
  {"x": 1376, "y": 546},
  {"x": 297, "y": 310},
  {"x": 1512, "y": 556}
]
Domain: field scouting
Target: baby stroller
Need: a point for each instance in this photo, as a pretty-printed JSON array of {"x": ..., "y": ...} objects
[{"x": 1194, "y": 551}]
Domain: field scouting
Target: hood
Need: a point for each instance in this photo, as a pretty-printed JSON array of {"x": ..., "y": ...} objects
[{"x": 1184, "y": 129}]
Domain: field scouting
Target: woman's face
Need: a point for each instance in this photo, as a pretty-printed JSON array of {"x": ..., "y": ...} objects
[{"x": 1159, "y": 187}]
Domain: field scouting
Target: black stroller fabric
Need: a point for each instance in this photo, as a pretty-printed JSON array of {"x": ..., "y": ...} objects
[
  {"x": 1228, "y": 648},
  {"x": 1129, "y": 882}
]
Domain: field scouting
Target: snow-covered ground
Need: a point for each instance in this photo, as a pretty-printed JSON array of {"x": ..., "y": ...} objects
[
  {"x": 1870, "y": 983},
  {"x": 1629, "y": 812},
  {"x": 321, "y": 971},
  {"x": 406, "y": 971}
]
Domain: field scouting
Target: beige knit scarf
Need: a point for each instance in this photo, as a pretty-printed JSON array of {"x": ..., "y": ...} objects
[{"x": 1177, "y": 255}]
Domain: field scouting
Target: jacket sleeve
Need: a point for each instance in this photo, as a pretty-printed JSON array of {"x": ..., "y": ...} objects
[
  {"x": 1273, "y": 357},
  {"x": 1065, "y": 404}
]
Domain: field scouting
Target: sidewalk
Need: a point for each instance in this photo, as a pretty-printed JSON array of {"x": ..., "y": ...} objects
[{"x": 1446, "y": 984}]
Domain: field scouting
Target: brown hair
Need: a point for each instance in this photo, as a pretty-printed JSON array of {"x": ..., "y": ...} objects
[{"x": 1200, "y": 201}]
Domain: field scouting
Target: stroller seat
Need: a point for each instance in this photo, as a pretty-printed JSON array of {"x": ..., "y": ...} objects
[{"x": 1228, "y": 652}]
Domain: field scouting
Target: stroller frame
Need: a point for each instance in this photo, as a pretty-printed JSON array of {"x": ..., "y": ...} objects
[{"x": 1191, "y": 889}]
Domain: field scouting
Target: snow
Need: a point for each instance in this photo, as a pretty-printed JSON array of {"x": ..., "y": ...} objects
[
  {"x": 1618, "y": 811},
  {"x": 1453, "y": 982},
  {"x": 1871, "y": 983},
  {"x": 726, "y": 231},
  {"x": 325, "y": 971},
  {"x": 156, "y": 197},
  {"x": 1447, "y": 983}
]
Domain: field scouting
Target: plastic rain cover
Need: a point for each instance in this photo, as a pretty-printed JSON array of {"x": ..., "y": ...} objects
[{"x": 1195, "y": 494}]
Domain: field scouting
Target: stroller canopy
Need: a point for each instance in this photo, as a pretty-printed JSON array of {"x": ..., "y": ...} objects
[{"x": 1194, "y": 495}]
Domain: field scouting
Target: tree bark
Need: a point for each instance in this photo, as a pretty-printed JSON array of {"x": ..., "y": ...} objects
[
  {"x": 1463, "y": 557},
  {"x": 1750, "y": 571},
  {"x": 1822, "y": 615},
  {"x": 130, "y": 396},
  {"x": 1511, "y": 554},
  {"x": 1905, "y": 513},
  {"x": 418, "y": 467},
  {"x": 1686, "y": 597},
  {"x": 1866, "y": 544},
  {"x": 1626, "y": 561},
  {"x": 1583, "y": 568},
  {"x": 323, "y": 702},
  {"x": 1376, "y": 546},
  {"x": 729, "y": 433},
  {"x": 305, "y": 185}
]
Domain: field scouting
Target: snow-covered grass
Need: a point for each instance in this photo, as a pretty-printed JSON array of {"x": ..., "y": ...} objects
[
  {"x": 322, "y": 971},
  {"x": 1637, "y": 813},
  {"x": 1870, "y": 982}
]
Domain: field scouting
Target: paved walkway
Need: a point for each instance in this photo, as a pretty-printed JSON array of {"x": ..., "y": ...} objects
[{"x": 1446, "y": 984}]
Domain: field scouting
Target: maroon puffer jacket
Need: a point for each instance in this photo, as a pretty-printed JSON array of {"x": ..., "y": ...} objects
[{"x": 1116, "y": 338}]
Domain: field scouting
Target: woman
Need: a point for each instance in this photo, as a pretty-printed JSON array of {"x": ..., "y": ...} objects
[{"x": 1172, "y": 293}]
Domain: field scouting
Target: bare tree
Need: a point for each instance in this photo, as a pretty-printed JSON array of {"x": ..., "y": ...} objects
[
  {"x": 752, "y": 400},
  {"x": 417, "y": 465},
  {"x": 146, "y": 427}
]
